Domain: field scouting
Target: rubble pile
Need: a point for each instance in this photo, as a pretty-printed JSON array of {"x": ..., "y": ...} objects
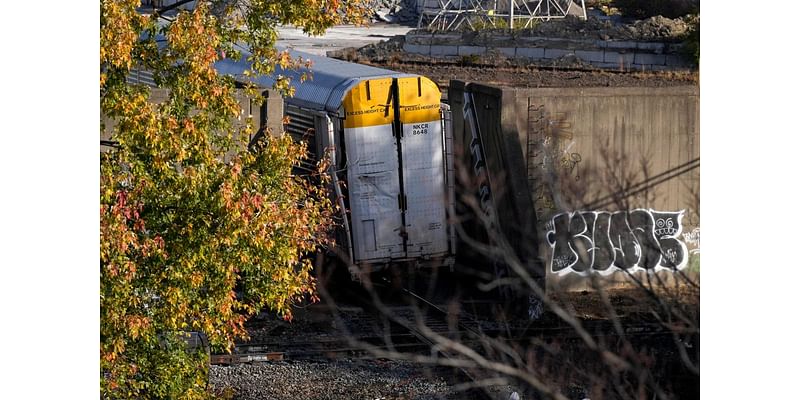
[
  {"x": 654, "y": 28},
  {"x": 659, "y": 27},
  {"x": 382, "y": 50},
  {"x": 396, "y": 11}
]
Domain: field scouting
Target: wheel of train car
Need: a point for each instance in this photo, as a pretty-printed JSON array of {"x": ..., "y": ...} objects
[
  {"x": 333, "y": 275},
  {"x": 396, "y": 279}
]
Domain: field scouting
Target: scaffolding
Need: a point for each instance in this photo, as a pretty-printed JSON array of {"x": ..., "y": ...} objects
[{"x": 451, "y": 15}]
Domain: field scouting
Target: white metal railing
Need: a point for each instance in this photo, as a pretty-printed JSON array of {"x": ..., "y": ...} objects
[{"x": 449, "y": 15}]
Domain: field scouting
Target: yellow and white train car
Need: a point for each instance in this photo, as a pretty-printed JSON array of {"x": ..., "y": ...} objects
[{"x": 389, "y": 138}]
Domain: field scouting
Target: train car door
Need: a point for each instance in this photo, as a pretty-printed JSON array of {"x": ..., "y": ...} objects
[
  {"x": 373, "y": 174},
  {"x": 423, "y": 166}
]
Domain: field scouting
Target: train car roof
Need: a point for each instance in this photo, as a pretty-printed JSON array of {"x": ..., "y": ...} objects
[{"x": 330, "y": 79}]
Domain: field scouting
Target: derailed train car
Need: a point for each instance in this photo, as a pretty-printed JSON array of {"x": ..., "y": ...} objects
[{"x": 388, "y": 139}]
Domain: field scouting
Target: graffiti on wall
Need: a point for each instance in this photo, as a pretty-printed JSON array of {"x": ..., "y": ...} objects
[
  {"x": 550, "y": 150},
  {"x": 692, "y": 239},
  {"x": 603, "y": 242}
]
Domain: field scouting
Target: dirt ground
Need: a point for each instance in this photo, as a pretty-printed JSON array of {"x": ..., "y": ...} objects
[{"x": 535, "y": 76}]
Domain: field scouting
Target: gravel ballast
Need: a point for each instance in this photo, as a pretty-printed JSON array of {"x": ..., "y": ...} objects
[{"x": 340, "y": 379}]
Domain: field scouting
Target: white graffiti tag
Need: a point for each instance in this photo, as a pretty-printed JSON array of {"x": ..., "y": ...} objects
[
  {"x": 602, "y": 242},
  {"x": 693, "y": 239}
]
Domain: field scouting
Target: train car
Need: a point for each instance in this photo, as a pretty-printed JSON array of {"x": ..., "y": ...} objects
[{"x": 388, "y": 137}]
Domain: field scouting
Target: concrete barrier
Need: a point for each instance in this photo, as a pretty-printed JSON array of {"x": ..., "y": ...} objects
[{"x": 607, "y": 54}]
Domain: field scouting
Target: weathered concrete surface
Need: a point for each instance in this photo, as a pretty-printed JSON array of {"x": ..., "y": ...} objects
[
  {"x": 617, "y": 149},
  {"x": 594, "y": 149},
  {"x": 659, "y": 126}
]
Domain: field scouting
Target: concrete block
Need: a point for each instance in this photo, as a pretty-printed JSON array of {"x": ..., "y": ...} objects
[
  {"x": 488, "y": 39},
  {"x": 471, "y": 50},
  {"x": 563, "y": 43},
  {"x": 580, "y": 42},
  {"x": 507, "y": 51},
  {"x": 618, "y": 58},
  {"x": 417, "y": 48},
  {"x": 655, "y": 47},
  {"x": 556, "y": 53},
  {"x": 440, "y": 50},
  {"x": 673, "y": 48},
  {"x": 532, "y": 39},
  {"x": 649, "y": 59},
  {"x": 416, "y": 38},
  {"x": 591, "y": 56},
  {"x": 530, "y": 52},
  {"x": 274, "y": 111},
  {"x": 445, "y": 38},
  {"x": 677, "y": 61},
  {"x": 621, "y": 44}
]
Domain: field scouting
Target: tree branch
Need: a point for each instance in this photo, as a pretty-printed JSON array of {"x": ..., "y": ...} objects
[{"x": 171, "y": 7}]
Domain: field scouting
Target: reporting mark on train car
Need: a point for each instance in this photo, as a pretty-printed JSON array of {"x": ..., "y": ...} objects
[
  {"x": 603, "y": 242},
  {"x": 419, "y": 129}
]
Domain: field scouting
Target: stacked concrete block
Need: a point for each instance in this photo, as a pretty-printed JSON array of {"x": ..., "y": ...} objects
[
  {"x": 424, "y": 49},
  {"x": 611, "y": 54},
  {"x": 444, "y": 50},
  {"x": 471, "y": 50},
  {"x": 649, "y": 59},
  {"x": 620, "y": 44},
  {"x": 557, "y": 53},
  {"x": 592, "y": 56},
  {"x": 677, "y": 61},
  {"x": 509, "y": 52},
  {"x": 618, "y": 58},
  {"x": 530, "y": 52}
]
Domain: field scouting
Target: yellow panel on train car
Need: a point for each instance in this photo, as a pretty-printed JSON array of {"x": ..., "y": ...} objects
[
  {"x": 420, "y": 99},
  {"x": 367, "y": 104}
]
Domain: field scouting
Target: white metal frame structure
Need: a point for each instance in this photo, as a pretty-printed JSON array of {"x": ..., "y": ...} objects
[{"x": 450, "y": 15}]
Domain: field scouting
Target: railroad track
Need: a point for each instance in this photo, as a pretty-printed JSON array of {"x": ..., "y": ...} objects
[
  {"x": 351, "y": 342},
  {"x": 331, "y": 348},
  {"x": 404, "y": 328},
  {"x": 404, "y": 334},
  {"x": 361, "y": 331}
]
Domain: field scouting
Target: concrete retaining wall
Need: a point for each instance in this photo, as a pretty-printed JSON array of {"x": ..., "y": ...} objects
[
  {"x": 611, "y": 174},
  {"x": 608, "y": 54}
]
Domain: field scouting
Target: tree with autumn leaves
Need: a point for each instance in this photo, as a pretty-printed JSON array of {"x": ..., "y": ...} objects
[{"x": 199, "y": 229}]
